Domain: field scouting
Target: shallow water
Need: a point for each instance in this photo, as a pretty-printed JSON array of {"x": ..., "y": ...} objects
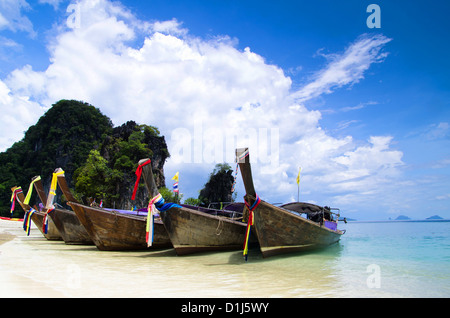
[{"x": 397, "y": 259}]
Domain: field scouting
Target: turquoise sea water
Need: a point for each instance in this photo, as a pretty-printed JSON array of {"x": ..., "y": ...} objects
[
  {"x": 401, "y": 259},
  {"x": 379, "y": 260}
]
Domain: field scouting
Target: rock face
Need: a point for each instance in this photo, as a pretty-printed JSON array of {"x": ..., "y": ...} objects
[
  {"x": 65, "y": 136},
  {"x": 218, "y": 187},
  {"x": 122, "y": 143}
]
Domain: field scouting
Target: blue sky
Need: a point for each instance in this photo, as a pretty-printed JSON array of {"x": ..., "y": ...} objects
[{"x": 364, "y": 111}]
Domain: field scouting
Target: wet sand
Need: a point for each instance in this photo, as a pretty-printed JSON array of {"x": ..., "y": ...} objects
[
  {"x": 31, "y": 266},
  {"x": 12, "y": 284}
]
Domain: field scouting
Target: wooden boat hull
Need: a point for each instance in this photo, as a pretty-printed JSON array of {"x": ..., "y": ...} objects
[
  {"x": 52, "y": 231},
  {"x": 38, "y": 220},
  {"x": 66, "y": 221},
  {"x": 112, "y": 231},
  {"x": 193, "y": 231},
  {"x": 70, "y": 227},
  {"x": 280, "y": 231}
]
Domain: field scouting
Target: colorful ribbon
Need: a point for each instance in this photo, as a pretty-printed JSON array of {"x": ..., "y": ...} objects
[
  {"x": 243, "y": 155},
  {"x": 150, "y": 219},
  {"x": 138, "y": 174},
  {"x": 30, "y": 191},
  {"x": 51, "y": 196},
  {"x": 250, "y": 222},
  {"x": 14, "y": 197},
  {"x": 27, "y": 221},
  {"x": 45, "y": 221},
  {"x": 158, "y": 203},
  {"x": 52, "y": 191}
]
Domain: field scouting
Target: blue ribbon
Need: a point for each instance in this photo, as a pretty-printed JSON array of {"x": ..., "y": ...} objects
[{"x": 161, "y": 206}]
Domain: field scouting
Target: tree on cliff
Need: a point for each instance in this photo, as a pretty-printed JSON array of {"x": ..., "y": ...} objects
[
  {"x": 62, "y": 137},
  {"x": 74, "y": 135},
  {"x": 218, "y": 187},
  {"x": 109, "y": 175}
]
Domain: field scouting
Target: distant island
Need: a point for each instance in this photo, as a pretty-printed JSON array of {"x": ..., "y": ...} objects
[
  {"x": 406, "y": 218},
  {"x": 346, "y": 219},
  {"x": 434, "y": 217},
  {"x": 403, "y": 218}
]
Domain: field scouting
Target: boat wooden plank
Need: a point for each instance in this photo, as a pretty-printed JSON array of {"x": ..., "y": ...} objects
[
  {"x": 66, "y": 221},
  {"x": 38, "y": 219},
  {"x": 114, "y": 231},
  {"x": 193, "y": 231},
  {"x": 279, "y": 230}
]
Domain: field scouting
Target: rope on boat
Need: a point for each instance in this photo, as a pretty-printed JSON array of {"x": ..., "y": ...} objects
[{"x": 218, "y": 225}]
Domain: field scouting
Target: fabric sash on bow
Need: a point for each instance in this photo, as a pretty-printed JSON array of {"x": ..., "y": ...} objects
[
  {"x": 150, "y": 219},
  {"x": 30, "y": 190},
  {"x": 45, "y": 221},
  {"x": 250, "y": 222},
  {"x": 138, "y": 175},
  {"x": 155, "y": 203},
  {"x": 52, "y": 192},
  {"x": 51, "y": 196},
  {"x": 27, "y": 221},
  {"x": 14, "y": 197}
]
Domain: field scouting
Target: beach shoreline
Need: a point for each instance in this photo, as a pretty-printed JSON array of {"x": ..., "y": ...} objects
[
  {"x": 9, "y": 229},
  {"x": 6, "y": 237},
  {"x": 34, "y": 267},
  {"x": 14, "y": 285}
]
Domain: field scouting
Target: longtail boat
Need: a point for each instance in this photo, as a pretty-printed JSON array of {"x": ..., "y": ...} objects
[
  {"x": 282, "y": 229},
  {"x": 195, "y": 229},
  {"x": 66, "y": 221},
  {"x": 113, "y": 229},
  {"x": 37, "y": 216}
]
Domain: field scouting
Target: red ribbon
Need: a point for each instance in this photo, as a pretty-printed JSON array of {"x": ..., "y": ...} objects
[
  {"x": 138, "y": 174},
  {"x": 14, "y": 197}
]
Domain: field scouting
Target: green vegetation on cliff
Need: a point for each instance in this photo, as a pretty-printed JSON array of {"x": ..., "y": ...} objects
[
  {"x": 99, "y": 160},
  {"x": 218, "y": 187}
]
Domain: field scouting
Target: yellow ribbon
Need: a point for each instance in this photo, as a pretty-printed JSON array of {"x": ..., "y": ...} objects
[
  {"x": 52, "y": 192},
  {"x": 150, "y": 221},
  {"x": 30, "y": 190},
  {"x": 55, "y": 181}
]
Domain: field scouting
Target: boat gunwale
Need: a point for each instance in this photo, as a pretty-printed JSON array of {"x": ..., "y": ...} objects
[
  {"x": 111, "y": 212},
  {"x": 201, "y": 213},
  {"x": 291, "y": 213}
]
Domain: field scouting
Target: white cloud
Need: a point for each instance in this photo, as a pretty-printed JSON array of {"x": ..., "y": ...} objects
[
  {"x": 12, "y": 18},
  {"x": 18, "y": 113},
  {"x": 169, "y": 27},
  {"x": 443, "y": 197},
  {"x": 53, "y": 3},
  {"x": 345, "y": 69},
  {"x": 181, "y": 83}
]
